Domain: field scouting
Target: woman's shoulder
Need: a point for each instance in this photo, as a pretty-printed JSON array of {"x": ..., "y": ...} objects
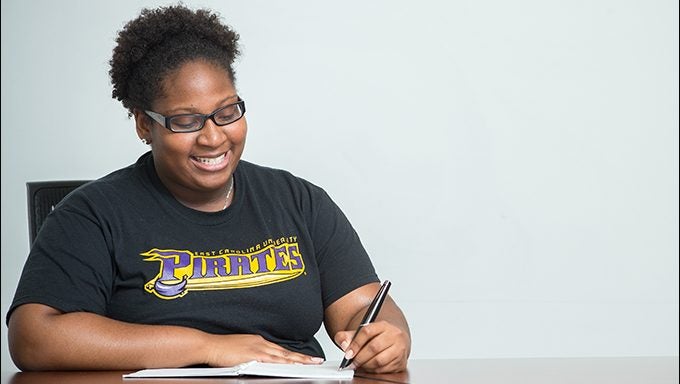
[
  {"x": 120, "y": 182},
  {"x": 252, "y": 169},
  {"x": 261, "y": 174}
]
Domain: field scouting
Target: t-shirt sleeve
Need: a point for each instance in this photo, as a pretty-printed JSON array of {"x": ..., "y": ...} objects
[
  {"x": 69, "y": 266},
  {"x": 344, "y": 264}
]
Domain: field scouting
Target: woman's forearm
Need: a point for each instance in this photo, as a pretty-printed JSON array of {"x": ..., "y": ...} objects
[{"x": 42, "y": 338}]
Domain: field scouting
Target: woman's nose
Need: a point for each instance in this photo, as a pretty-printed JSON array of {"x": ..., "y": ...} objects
[{"x": 212, "y": 134}]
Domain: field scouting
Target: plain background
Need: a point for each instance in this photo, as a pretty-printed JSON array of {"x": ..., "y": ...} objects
[{"x": 512, "y": 167}]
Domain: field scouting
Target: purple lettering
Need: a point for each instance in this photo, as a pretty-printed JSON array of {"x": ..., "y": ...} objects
[
  {"x": 239, "y": 265},
  {"x": 215, "y": 266},
  {"x": 172, "y": 261},
  {"x": 295, "y": 257},
  {"x": 198, "y": 268},
  {"x": 261, "y": 258},
  {"x": 281, "y": 258}
]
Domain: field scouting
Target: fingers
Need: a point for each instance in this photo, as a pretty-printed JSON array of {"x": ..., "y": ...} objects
[
  {"x": 343, "y": 338},
  {"x": 387, "y": 361},
  {"x": 229, "y": 350},
  {"x": 277, "y": 354},
  {"x": 377, "y": 347}
]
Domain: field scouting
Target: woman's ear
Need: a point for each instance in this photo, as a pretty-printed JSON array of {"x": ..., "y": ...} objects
[{"x": 143, "y": 125}]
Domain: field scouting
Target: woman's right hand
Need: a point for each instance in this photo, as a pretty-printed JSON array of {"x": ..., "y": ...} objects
[{"x": 230, "y": 350}]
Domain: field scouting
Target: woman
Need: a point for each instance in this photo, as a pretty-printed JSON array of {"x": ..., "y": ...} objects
[{"x": 192, "y": 256}]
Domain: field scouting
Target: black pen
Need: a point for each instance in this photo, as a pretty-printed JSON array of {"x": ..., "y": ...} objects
[{"x": 371, "y": 314}]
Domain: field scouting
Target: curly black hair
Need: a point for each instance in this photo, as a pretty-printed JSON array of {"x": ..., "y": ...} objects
[{"x": 159, "y": 41}]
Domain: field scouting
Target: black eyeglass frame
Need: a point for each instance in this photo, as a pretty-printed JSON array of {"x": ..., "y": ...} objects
[{"x": 165, "y": 121}]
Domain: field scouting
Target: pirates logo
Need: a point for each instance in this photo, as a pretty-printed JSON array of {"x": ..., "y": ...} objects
[{"x": 182, "y": 271}]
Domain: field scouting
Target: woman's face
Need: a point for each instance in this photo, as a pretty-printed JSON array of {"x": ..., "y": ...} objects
[{"x": 195, "y": 166}]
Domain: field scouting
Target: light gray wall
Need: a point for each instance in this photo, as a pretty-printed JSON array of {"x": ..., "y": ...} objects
[{"x": 512, "y": 166}]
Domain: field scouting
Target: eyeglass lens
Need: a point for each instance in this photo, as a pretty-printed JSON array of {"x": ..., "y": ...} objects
[{"x": 222, "y": 116}]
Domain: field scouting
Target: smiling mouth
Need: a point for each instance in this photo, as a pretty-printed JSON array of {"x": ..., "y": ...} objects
[{"x": 211, "y": 160}]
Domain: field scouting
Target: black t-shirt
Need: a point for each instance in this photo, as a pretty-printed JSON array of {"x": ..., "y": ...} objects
[{"x": 269, "y": 264}]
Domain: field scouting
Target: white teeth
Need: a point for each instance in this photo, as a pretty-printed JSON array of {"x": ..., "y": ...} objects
[{"x": 211, "y": 161}]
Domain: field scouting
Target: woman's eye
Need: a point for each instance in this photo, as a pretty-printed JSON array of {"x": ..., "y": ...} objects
[{"x": 185, "y": 122}]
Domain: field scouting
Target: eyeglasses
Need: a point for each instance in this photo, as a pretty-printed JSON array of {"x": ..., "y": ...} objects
[{"x": 192, "y": 122}]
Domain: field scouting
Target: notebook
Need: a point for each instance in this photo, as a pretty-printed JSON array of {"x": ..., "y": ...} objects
[{"x": 327, "y": 370}]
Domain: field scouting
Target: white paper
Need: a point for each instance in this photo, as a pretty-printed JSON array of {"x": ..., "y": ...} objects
[{"x": 327, "y": 370}]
